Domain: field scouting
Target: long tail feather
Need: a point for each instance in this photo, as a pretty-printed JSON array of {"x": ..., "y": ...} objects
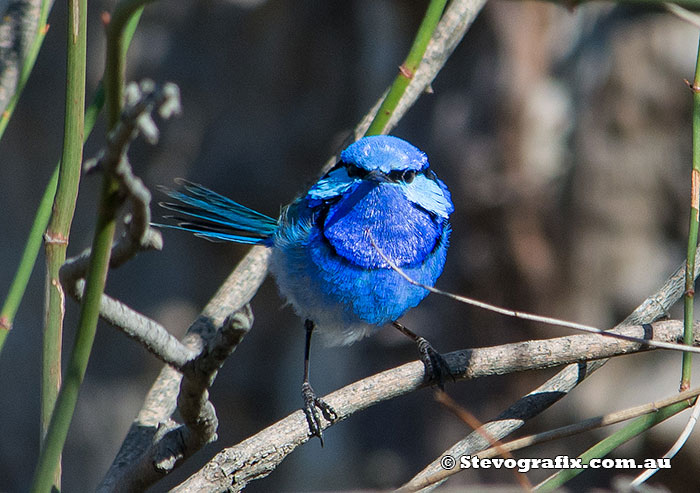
[{"x": 215, "y": 217}]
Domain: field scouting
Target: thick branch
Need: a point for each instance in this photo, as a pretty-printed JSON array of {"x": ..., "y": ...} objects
[
  {"x": 193, "y": 400},
  {"x": 146, "y": 445},
  {"x": 232, "y": 468},
  {"x": 173, "y": 443}
]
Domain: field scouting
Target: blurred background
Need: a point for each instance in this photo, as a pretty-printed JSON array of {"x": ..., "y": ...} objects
[{"x": 564, "y": 136}]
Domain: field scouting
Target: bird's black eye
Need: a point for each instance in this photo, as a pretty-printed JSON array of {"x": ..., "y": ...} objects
[
  {"x": 398, "y": 175},
  {"x": 394, "y": 175}
]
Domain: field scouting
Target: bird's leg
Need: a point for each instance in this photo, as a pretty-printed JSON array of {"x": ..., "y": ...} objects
[
  {"x": 311, "y": 402},
  {"x": 436, "y": 368}
]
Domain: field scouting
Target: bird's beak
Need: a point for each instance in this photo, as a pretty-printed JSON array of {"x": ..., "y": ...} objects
[{"x": 378, "y": 176}]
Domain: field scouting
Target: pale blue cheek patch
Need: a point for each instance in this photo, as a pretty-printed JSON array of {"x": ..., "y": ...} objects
[
  {"x": 429, "y": 195},
  {"x": 336, "y": 183}
]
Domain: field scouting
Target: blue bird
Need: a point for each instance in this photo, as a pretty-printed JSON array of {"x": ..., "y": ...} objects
[{"x": 330, "y": 247}]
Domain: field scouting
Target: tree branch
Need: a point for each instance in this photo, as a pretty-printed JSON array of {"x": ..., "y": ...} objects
[
  {"x": 172, "y": 443},
  {"x": 259, "y": 455},
  {"x": 147, "y": 332},
  {"x": 146, "y": 445},
  {"x": 193, "y": 400}
]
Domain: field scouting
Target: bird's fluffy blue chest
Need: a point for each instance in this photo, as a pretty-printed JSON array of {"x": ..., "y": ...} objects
[
  {"x": 382, "y": 214},
  {"x": 327, "y": 267}
]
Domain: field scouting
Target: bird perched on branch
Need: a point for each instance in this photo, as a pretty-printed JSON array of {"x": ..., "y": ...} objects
[{"x": 336, "y": 249}]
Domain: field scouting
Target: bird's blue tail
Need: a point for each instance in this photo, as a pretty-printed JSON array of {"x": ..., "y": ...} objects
[{"x": 215, "y": 217}]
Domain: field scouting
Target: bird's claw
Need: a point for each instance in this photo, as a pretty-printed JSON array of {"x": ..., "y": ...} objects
[
  {"x": 436, "y": 368},
  {"x": 312, "y": 404}
]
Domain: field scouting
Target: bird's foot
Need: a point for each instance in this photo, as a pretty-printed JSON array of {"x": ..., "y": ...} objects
[
  {"x": 312, "y": 404},
  {"x": 436, "y": 368}
]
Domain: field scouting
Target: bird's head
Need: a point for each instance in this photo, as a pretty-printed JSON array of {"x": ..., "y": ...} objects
[
  {"x": 384, "y": 154},
  {"x": 389, "y": 160}
]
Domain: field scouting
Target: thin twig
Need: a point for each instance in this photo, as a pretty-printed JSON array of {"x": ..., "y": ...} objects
[
  {"x": 677, "y": 446},
  {"x": 58, "y": 229},
  {"x": 408, "y": 68},
  {"x": 529, "y": 316},
  {"x": 138, "y": 236},
  {"x": 136, "y": 119},
  {"x": 689, "y": 295},
  {"x": 124, "y": 249},
  {"x": 147, "y": 332},
  {"x": 23, "y": 29},
  {"x": 683, "y": 14},
  {"x": 589, "y": 424},
  {"x": 570, "y": 430},
  {"x": 601, "y": 449},
  {"x": 470, "y": 420},
  {"x": 457, "y": 19}
]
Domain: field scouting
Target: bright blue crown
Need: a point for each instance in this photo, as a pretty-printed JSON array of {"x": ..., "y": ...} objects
[{"x": 384, "y": 153}]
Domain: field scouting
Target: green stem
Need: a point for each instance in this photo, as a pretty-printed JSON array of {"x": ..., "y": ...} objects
[
  {"x": 68, "y": 395},
  {"x": 31, "y": 249},
  {"x": 99, "y": 260},
  {"x": 28, "y": 65},
  {"x": 408, "y": 68},
  {"x": 57, "y": 233},
  {"x": 692, "y": 232},
  {"x": 26, "y": 264},
  {"x": 604, "y": 447},
  {"x": 117, "y": 45},
  {"x": 63, "y": 209}
]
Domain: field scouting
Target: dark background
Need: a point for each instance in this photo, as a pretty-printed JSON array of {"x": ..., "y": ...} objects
[{"x": 565, "y": 138}]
